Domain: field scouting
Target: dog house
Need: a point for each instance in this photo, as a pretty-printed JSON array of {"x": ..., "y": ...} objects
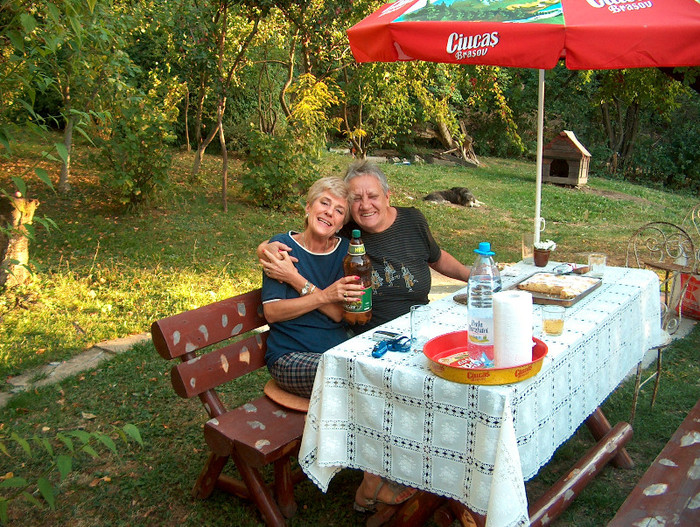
[{"x": 565, "y": 160}]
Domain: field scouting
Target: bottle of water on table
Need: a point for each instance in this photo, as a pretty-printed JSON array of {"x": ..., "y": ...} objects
[{"x": 484, "y": 281}]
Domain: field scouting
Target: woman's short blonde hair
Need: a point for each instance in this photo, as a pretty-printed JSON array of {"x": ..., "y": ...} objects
[{"x": 335, "y": 186}]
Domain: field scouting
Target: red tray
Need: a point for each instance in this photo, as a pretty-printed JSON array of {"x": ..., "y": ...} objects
[{"x": 456, "y": 342}]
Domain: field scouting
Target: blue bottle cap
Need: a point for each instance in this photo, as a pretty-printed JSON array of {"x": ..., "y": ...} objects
[
  {"x": 484, "y": 249},
  {"x": 356, "y": 233}
]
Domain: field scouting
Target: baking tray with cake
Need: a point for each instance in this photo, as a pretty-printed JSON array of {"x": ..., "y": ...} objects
[{"x": 560, "y": 289}]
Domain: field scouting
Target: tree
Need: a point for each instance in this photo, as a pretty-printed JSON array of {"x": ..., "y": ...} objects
[{"x": 81, "y": 51}]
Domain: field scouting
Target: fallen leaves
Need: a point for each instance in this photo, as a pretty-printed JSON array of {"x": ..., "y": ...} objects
[{"x": 96, "y": 481}]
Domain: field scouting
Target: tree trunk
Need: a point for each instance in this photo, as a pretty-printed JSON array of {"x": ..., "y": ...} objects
[
  {"x": 63, "y": 184},
  {"x": 224, "y": 156},
  {"x": 455, "y": 146},
  {"x": 289, "y": 79},
  {"x": 631, "y": 127},
  {"x": 187, "y": 123},
  {"x": 200, "y": 109},
  {"x": 15, "y": 213},
  {"x": 200, "y": 151}
]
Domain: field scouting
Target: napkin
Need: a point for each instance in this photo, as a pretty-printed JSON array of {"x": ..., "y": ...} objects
[{"x": 512, "y": 328}]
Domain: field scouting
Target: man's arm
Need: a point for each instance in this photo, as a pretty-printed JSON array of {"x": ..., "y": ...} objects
[{"x": 451, "y": 267}]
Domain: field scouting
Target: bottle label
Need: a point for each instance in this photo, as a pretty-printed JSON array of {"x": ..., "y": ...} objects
[
  {"x": 481, "y": 331},
  {"x": 356, "y": 250},
  {"x": 364, "y": 305}
]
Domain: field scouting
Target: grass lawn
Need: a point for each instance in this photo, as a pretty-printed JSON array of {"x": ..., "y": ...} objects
[{"x": 106, "y": 274}]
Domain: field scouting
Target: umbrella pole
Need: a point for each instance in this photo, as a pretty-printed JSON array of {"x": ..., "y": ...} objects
[{"x": 540, "y": 133}]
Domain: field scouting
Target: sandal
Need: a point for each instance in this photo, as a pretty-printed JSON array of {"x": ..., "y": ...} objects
[{"x": 363, "y": 504}]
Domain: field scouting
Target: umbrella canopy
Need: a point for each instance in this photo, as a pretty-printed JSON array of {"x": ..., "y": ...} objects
[{"x": 587, "y": 34}]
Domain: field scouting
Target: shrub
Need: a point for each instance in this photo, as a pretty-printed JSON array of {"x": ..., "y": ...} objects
[
  {"x": 137, "y": 150},
  {"x": 278, "y": 169}
]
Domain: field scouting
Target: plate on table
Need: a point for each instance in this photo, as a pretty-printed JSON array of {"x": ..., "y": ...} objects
[
  {"x": 564, "y": 290},
  {"x": 461, "y": 298},
  {"x": 440, "y": 350}
]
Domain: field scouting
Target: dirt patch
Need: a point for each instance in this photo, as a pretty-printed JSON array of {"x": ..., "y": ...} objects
[{"x": 612, "y": 194}]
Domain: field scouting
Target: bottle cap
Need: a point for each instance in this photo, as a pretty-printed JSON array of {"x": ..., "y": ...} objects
[
  {"x": 484, "y": 249},
  {"x": 356, "y": 233}
]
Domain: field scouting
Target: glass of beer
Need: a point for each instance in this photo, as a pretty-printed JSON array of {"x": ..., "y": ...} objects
[{"x": 553, "y": 320}]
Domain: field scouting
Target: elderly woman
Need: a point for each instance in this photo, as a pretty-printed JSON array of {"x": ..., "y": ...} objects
[
  {"x": 302, "y": 302},
  {"x": 306, "y": 318}
]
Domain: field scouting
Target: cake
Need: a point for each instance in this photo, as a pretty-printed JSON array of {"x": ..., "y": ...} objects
[{"x": 560, "y": 286}]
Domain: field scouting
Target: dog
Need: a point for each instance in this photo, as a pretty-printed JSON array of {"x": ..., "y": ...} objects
[{"x": 457, "y": 195}]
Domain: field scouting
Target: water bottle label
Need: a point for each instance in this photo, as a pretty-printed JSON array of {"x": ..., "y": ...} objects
[
  {"x": 364, "y": 305},
  {"x": 481, "y": 331},
  {"x": 356, "y": 250}
]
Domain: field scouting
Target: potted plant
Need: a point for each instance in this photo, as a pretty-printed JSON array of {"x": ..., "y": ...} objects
[{"x": 541, "y": 252}]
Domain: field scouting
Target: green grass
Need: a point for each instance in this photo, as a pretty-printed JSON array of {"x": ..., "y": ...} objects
[
  {"x": 150, "y": 485},
  {"x": 105, "y": 274}
]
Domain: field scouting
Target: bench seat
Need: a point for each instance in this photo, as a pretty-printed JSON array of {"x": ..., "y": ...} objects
[
  {"x": 217, "y": 344},
  {"x": 668, "y": 494},
  {"x": 261, "y": 430}
]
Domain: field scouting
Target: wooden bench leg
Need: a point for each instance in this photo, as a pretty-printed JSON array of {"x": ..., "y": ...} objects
[
  {"x": 259, "y": 492},
  {"x": 416, "y": 510},
  {"x": 560, "y": 495},
  {"x": 206, "y": 482},
  {"x": 599, "y": 425},
  {"x": 284, "y": 487}
]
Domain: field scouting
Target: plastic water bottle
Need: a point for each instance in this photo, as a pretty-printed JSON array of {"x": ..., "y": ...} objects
[{"x": 484, "y": 281}]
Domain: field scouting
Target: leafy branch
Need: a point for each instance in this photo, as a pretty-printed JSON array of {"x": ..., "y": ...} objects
[{"x": 76, "y": 442}]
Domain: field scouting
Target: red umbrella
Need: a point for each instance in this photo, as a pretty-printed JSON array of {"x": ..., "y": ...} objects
[{"x": 587, "y": 34}]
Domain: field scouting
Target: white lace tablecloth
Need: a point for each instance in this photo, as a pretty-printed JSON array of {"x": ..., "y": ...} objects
[{"x": 477, "y": 444}]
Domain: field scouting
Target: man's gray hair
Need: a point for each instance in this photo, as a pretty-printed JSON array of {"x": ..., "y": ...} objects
[{"x": 364, "y": 167}]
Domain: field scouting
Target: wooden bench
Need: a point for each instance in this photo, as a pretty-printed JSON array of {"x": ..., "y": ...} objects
[
  {"x": 218, "y": 343},
  {"x": 669, "y": 491}
]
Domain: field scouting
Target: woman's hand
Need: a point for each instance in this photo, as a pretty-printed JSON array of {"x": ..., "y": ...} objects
[{"x": 348, "y": 288}]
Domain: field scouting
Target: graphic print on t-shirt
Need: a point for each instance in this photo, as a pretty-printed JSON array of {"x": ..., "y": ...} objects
[
  {"x": 408, "y": 278},
  {"x": 376, "y": 280},
  {"x": 389, "y": 273}
]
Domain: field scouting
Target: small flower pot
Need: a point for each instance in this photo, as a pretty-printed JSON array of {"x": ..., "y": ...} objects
[{"x": 541, "y": 257}]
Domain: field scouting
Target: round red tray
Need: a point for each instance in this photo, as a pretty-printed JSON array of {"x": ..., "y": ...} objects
[{"x": 456, "y": 342}]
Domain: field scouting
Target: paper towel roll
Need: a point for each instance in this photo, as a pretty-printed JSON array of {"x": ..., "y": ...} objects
[{"x": 512, "y": 328}]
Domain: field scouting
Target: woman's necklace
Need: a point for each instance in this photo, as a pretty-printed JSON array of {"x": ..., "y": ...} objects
[{"x": 302, "y": 242}]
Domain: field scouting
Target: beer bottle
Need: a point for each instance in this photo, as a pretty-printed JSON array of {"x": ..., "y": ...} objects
[{"x": 357, "y": 263}]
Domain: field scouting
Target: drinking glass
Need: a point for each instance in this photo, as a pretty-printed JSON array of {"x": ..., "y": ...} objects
[
  {"x": 421, "y": 326},
  {"x": 553, "y": 320},
  {"x": 596, "y": 264}
]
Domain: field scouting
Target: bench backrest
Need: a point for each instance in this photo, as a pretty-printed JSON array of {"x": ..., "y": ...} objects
[{"x": 191, "y": 336}]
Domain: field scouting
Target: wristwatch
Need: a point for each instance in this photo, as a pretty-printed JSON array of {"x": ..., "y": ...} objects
[{"x": 308, "y": 288}]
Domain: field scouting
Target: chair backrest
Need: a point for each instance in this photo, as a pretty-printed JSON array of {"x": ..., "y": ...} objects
[
  {"x": 691, "y": 222},
  {"x": 662, "y": 245},
  {"x": 215, "y": 345}
]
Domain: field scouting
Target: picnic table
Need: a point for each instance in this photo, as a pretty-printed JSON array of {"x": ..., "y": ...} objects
[{"x": 477, "y": 444}]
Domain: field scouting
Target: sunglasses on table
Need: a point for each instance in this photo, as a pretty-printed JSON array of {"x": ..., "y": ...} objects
[{"x": 402, "y": 344}]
